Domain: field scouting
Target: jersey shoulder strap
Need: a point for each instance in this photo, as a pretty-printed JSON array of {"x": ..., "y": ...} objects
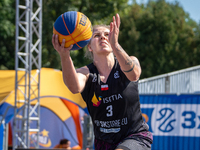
[{"x": 92, "y": 68}]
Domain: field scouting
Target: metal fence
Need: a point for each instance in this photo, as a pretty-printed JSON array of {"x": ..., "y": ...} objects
[{"x": 182, "y": 81}]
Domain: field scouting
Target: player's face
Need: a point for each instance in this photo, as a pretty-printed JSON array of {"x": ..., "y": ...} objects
[{"x": 99, "y": 42}]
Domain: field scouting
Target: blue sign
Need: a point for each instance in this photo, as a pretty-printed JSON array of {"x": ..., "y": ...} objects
[{"x": 173, "y": 120}]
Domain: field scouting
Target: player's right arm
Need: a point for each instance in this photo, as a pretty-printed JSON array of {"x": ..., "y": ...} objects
[{"x": 74, "y": 79}]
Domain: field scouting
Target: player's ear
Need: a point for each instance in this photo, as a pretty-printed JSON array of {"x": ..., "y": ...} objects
[{"x": 89, "y": 48}]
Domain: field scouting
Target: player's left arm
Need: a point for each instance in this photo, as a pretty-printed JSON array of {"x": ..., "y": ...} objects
[{"x": 129, "y": 64}]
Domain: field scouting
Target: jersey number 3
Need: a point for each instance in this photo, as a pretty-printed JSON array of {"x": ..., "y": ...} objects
[{"x": 110, "y": 111}]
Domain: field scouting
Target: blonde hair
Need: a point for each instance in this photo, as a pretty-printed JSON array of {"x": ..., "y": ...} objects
[{"x": 89, "y": 54}]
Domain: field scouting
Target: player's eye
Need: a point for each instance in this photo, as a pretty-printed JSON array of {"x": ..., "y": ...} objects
[
  {"x": 96, "y": 35},
  {"x": 106, "y": 34}
]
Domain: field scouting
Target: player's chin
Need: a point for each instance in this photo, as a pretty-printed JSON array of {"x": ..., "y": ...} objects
[
  {"x": 106, "y": 49},
  {"x": 106, "y": 52}
]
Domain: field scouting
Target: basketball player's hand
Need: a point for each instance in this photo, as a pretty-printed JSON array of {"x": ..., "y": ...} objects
[
  {"x": 114, "y": 30},
  {"x": 60, "y": 48}
]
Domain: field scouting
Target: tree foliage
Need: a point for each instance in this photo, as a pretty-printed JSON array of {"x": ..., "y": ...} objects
[
  {"x": 160, "y": 34},
  {"x": 7, "y": 34},
  {"x": 96, "y": 11}
]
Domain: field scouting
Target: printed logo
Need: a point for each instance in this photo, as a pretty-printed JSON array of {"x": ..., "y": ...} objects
[
  {"x": 94, "y": 79},
  {"x": 112, "y": 98},
  {"x": 112, "y": 130},
  {"x": 181, "y": 120},
  {"x": 145, "y": 117},
  {"x": 147, "y": 114},
  {"x": 44, "y": 139},
  {"x": 112, "y": 123},
  {"x": 166, "y": 125},
  {"x": 83, "y": 20},
  {"x": 116, "y": 75},
  {"x": 91, "y": 28},
  {"x": 96, "y": 102}
]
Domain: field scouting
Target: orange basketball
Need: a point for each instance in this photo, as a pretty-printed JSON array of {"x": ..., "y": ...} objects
[{"x": 75, "y": 28}]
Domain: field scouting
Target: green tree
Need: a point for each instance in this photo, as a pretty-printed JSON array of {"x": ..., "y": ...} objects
[
  {"x": 7, "y": 34},
  {"x": 161, "y": 35},
  {"x": 96, "y": 11}
]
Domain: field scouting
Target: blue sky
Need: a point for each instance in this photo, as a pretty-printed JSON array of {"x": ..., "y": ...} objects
[{"x": 190, "y": 6}]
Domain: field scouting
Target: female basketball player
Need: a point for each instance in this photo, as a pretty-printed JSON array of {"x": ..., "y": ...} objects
[{"x": 109, "y": 86}]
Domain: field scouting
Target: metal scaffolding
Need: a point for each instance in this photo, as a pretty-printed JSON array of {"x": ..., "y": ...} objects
[{"x": 27, "y": 57}]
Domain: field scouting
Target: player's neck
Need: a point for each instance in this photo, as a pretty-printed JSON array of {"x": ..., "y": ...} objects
[{"x": 104, "y": 65}]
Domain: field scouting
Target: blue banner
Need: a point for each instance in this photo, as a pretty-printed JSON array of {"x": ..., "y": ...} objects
[{"x": 174, "y": 121}]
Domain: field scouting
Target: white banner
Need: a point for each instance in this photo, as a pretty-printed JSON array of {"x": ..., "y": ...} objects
[{"x": 173, "y": 119}]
